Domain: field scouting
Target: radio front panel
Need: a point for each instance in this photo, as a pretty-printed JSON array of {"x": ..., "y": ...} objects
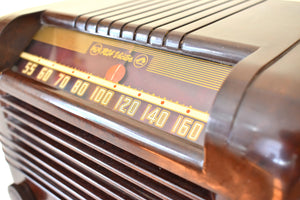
[
  {"x": 152, "y": 100},
  {"x": 168, "y": 91}
]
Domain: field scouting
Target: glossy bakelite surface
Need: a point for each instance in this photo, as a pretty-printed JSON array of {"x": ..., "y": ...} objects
[{"x": 252, "y": 136}]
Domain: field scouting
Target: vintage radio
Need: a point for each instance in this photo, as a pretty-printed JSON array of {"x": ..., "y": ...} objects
[{"x": 136, "y": 99}]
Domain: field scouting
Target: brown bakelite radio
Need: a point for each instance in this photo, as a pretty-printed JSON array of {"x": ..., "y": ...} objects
[{"x": 161, "y": 99}]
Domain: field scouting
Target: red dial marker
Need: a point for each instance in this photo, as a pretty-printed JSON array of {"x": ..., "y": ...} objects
[{"x": 115, "y": 73}]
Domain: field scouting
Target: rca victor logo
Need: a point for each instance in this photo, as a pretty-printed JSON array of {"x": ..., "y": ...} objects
[
  {"x": 113, "y": 52},
  {"x": 137, "y": 59},
  {"x": 96, "y": 49}
]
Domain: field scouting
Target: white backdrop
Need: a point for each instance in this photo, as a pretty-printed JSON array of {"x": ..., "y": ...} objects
[{"x": 8, "y": 7}]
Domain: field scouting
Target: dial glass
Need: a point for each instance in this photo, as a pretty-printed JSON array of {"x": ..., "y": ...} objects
[{"x": 169, "y": 91}]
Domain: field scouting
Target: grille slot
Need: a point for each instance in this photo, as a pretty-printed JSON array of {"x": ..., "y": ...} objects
[
  {"x": 169, "y": 16},
  {"x": 34, "y": 176},
  {"x": 82, "y": 165}
]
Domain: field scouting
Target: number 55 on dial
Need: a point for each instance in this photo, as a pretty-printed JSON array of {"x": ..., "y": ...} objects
[{"x": 29, "y": 68}]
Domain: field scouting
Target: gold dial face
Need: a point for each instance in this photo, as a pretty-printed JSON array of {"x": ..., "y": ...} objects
[{"x": 165, "y": 90}]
